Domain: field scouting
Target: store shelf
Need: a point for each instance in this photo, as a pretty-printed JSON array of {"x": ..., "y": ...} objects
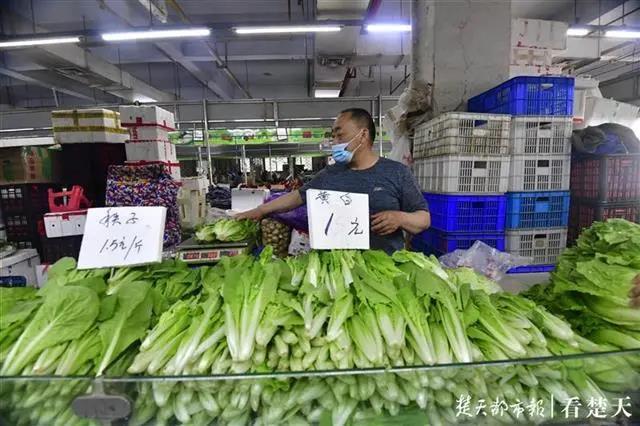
[{"x": 439, "y": 383}]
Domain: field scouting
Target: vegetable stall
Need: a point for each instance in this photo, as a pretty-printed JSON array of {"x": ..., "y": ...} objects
[{"x": 332, "y": 337}]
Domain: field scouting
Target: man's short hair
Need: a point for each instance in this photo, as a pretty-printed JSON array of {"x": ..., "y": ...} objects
[{"x": 363, "y": 119}]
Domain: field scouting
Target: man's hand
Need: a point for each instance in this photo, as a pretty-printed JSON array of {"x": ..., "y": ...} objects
[
  {"x": 635, "y": 292},
  {"x": 254, "y": 214},
  {"x": 385, "y": 223}
]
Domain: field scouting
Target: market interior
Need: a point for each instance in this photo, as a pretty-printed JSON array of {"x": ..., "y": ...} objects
[{"x": 334, "y": 212}]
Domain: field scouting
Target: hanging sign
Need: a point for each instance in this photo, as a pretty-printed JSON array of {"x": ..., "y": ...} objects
[
  {"x": 338, "y": 220},
  {"x": 122, "y": 236}
]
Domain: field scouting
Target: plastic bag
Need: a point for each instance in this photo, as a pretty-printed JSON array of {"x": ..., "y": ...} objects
[
  {"x": 296, "y": 218},
  {"x": 485, "y": 260},
  {"x": 300, "y": 243}
]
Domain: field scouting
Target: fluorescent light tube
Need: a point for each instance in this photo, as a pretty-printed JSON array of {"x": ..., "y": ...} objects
[
  {"x": 326, "y": 93},
  {"x": 389, "y": 28},
  {"x": 577, "y": 32},
  {"x": 39, "y": 41},
  {"x": 622, "y": 34},
  {"x": 155, "y": 34},
  {"x": 288, "y": 29}
]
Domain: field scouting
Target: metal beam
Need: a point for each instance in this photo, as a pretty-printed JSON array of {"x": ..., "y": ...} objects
[
  {"x": 173, "y": 54},
  {"x": 211, "y": 49},
  {"x": 41, "y": 83},
  {"x": 71, "y": 55}
]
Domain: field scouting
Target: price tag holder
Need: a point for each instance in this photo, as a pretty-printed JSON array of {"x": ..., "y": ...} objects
[
  {"x": 338, "y": 220},
  {"x": 122, "y": 236},
  {"x": 102, "y": 407}
]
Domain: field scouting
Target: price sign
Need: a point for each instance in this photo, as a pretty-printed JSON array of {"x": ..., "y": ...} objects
[
  {"x": 122, "y": 236},
  {"x": 338, "y": 220}
]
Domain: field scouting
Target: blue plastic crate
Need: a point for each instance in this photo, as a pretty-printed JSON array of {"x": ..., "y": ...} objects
[
  {"x": 437, "y": 242},
  {"x": 467, "y": 213},
  {"x": 527, "y": 96},
  {"x": 528, "y": 210},
  {"x": 13, "y": 281},
  {"x": 530, "y": 269}
]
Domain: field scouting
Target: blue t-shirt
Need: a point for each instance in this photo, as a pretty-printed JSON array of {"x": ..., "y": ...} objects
[{"x": 390, "y": 185}]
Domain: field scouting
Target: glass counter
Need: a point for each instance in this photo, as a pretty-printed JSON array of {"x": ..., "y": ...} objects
[{"x": 598, "y": 387}]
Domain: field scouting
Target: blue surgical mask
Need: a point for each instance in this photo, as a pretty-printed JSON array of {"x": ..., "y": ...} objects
[{"x": 340, "y": 153}]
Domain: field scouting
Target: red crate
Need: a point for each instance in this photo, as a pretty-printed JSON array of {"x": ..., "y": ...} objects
[
  {"x": 583, "y": 214},
  {"x": 606, "y": 178}
]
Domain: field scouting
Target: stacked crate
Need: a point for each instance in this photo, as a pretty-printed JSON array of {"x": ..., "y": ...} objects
[
  {"x": 540, "y": 142},
  {"x": 23, "y": 207},
  {"x": 148, "y": 142},
  {"x": 603, "y": 187},
  {"x": 538, "y": 197},
  {"x": 461, "y": 162}
]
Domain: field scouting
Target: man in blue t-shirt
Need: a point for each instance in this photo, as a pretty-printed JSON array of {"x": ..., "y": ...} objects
[{"x": 395, "y": 200}]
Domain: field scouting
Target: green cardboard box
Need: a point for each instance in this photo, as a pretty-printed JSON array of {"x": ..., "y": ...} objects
[{"x": 29, "y": 164}]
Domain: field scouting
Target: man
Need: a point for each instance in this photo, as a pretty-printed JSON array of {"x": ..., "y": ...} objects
[{"x": 395, "y": 200}]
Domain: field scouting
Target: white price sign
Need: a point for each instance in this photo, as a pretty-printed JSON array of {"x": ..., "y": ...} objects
[
  {"x": 122, "y": 236},
  {"x": 338, "y": 220}
]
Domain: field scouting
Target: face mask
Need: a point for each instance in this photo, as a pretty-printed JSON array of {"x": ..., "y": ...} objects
[{"x": 340, "y": 154}]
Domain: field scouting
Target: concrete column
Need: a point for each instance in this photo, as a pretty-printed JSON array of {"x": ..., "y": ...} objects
[
  {"x": 462, "y": 46},
  {"x": 422, "y": 41}
]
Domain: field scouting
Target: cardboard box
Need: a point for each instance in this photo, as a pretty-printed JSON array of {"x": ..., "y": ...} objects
[
  {"x": 151, "y": 151},
  {"x": 199, "y": 184},
  {"x": 528, "y": 56},
  {"x": 88, "y": 126},
  {"x": 132, "y": 115},
  {"x": 19, "y": 269},
  {"x": 148, "y": 133},
  {"x": 173, "y": 168},
  {"x": 29, "y": 164},
  {"x": 65, "y": 224},
  {"x": 539, "y": 34}
]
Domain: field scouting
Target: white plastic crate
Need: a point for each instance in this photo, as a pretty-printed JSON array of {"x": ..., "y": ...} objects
[
  {"x": 21, "y": 266},
  {"x": 463, "y": 174},
  {"x": 539, "y": 173},
  {"x": 548, "y": 135},
  {"x": 462, "y": 133},
  {"x": 543, "y": 245}
]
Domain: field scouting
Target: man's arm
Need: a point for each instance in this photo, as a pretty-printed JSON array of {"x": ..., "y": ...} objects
[
  {"x": 413, "y": 216},
  {"x": 281, "y": 204},
  {"x": 388, "y": 222}
]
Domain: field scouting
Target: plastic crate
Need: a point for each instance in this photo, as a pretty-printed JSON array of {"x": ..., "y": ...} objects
[
  {"x": 543, "y": 245},
  {"x": 467, "y": 213},
  {"x": 436, "y": 242},
  {"x": 463, "y": 174},
  {"x": 462, "y": 133},
  {"x": 25, "y": 199},
  {"x": 24, "y": 228},
  {"x": 539, "y": 173},
  {"x": 541, "y": 135},
  {"x": 531, "y": 269},
  {"x": 419, "y": 244},
  {"x": 527, "y": 210},
  {"x": 605, "y": 178},
  {"x": 527, "y": 96},
  {"x": 583, "y": 214},
  {"x": 54, "y": 249}
]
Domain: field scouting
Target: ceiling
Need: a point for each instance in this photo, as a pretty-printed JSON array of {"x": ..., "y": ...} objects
[{"x": 229, "y": 66}]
